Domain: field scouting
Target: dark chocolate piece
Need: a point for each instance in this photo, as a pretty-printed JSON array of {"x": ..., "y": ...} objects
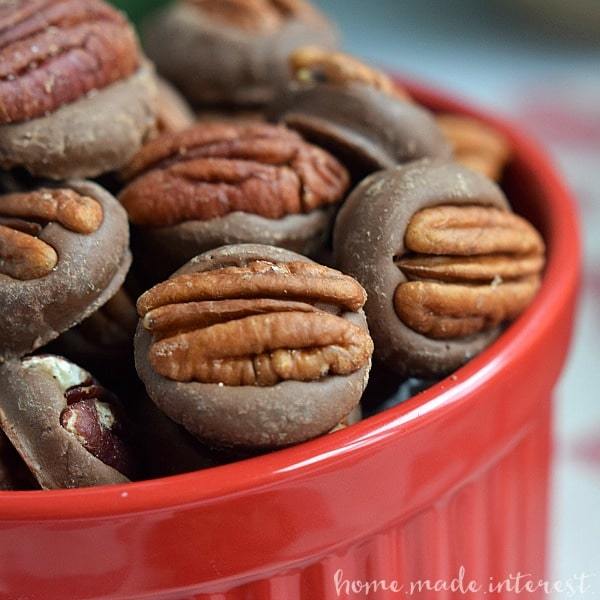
[{"x": 360, "y": 114}]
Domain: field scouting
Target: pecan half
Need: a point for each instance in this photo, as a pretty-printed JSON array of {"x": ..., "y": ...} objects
[
  {"x": 312, "y": 64},
  {"x": 53, "y": 52},
  {"x": 256, "y": 16},
  {"x": 476, "y": 145},
  {"x": 214, "y": 169},
  {"x": 291, "y": 281},
  {"x": 23, "y": 256},
  {"x": 23, "y": 217},
  {"x": 470, "y": 268},
  {"x": 256, "y": 325}
]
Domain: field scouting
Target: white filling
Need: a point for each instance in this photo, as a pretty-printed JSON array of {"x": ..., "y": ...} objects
[
  {"x": 66, "y": 374},
  {"x": 106, "y": 416}
]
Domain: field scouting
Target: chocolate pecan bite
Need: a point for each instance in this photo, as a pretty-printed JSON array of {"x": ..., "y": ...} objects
[
  {"x": 355, "y": 112},
  {"x": 254, "y": 346},
  {"x": 444, "y": 260},
  {"x": 69, "y": 430},
  {"x": 226, "y": 183},
  {"x": 76, "y": 96},
  {"x": 63, "y": 253},
  {"x": 232, "y": 52}
]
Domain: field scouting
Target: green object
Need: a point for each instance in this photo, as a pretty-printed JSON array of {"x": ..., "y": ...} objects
[{"x": 138, "y": 9}]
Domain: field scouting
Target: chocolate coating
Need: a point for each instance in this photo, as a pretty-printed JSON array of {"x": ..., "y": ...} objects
[
  {"x": 364, "y": 127},
  {"x": 213, "y": 63},
  {"x": 90, "y": 270},
  {"x": 369, "y": 233},
  {"x": 98, "y": 133},
  {"x": 251, "y": 416},
  {"x": 31, "y": 403},
  {"x": 171, "y": 247}
]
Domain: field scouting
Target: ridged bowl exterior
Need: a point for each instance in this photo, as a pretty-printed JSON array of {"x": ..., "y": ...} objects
[{"x": 455, "y": 477}]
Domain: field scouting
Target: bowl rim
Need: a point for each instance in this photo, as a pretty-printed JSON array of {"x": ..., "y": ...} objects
[{"x": 209, "y": 485}]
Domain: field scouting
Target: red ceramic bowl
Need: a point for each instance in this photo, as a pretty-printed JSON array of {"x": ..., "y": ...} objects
[{"x": 457, "y": 476}]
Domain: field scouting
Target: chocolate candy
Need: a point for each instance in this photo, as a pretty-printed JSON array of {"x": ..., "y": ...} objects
[
  {"x": 63, "y": 253},
  {"x": 232, "y": 52},
  {"x": 77, "y": 98},
  {"x": 254, "y": 346},
  {"x": 67, "y": 428},
  {"x": 443, "y": 259},
  {"x": 355, "y": 112},
  {"x": 226, "y": 183}
]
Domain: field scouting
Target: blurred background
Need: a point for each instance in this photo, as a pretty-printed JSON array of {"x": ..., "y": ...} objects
[{"x": 536, "y": 62}]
